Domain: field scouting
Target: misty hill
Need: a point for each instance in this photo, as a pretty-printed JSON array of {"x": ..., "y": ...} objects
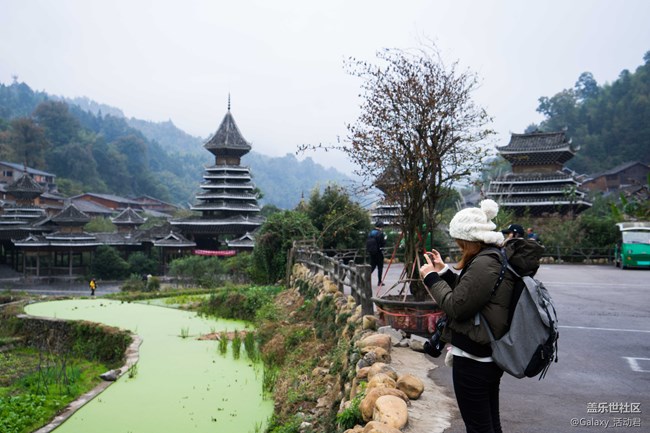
[
  {"x": 610, "y": 122},
  {"x": 92, "y": 147},
  {"x": 170, "y": 137}
]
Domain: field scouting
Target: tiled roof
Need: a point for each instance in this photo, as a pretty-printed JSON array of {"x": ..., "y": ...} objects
[
  {"x": 21, "y": 167},
  {"x": 87, "y": 206},
  {"x": 128, "y": 216},
  {"x": 174, "y": 239},
  {"x": 210, "y": 195},
  {"x": 24, "y": 184},
  {"x": 536, "y": 142},
  {"x": 111, "y": 197},
  {"x": 117, "y": 239},
  {"x": 227, "y": 137},
  {"x": 227, "y": 167},
  {"x": 71, "y": 214},
  {"x": 236, "y": 219},
  {"x": 227, "y": 205},
  {"x": 246, "y": 241},
  {"x": 620, "y": 168}
]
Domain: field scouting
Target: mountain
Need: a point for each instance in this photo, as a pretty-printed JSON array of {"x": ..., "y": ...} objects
[
  {"x": 284, "y": 180},
  {"x": 610, "y": 123},
  {"x": 170, "y": 138},
  {"x": 93, "y": 147}
]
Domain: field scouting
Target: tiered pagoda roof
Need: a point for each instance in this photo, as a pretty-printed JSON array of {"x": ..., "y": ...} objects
[
  {"x": 24, "y": 216},
  {"x": 25, "y": 188},
  {"x": 388, "y": 211},
  {"x": 538, "y": 183},
  {"x": 538, "y": 149},
  {"x": 228, "y": 140},
  {"x": 228, "y": 201}
]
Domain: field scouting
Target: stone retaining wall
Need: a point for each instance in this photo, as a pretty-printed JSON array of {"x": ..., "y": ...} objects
[
  {"x": 90, "y": 340},
  {"x": 384, "y": 396}
]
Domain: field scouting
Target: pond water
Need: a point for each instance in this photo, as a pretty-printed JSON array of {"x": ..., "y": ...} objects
[{"x": 181, "y": 385}]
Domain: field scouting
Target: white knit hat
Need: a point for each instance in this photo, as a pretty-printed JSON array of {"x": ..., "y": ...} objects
[{"x": 474, "y": 224}]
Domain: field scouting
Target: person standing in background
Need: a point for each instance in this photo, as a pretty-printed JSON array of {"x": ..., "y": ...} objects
[
  {"x": 374, "y": 244},
  {"x": 532, "y": 235},
  {"x": 513, "y": 231}
]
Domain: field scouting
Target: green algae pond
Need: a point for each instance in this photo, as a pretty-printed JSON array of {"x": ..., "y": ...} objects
[{"x": 181, "y": 384}]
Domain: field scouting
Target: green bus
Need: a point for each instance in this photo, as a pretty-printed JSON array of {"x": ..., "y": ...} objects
[{"x": 633, "y": 247}]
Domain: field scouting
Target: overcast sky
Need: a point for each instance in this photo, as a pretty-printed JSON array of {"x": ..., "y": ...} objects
[{"x": 282, "y": 61}]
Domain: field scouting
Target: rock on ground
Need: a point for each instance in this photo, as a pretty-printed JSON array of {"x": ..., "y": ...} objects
[{"x": 433, "y": 411}]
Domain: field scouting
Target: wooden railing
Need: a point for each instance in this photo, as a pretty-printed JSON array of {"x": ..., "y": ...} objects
[{"x": 343, "y": 273}]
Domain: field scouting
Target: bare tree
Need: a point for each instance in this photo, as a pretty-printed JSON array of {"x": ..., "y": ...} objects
[{"x": 419, "y": 131}]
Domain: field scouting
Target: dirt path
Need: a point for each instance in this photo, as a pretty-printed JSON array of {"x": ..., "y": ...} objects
[{"x": 432, "y": 412}]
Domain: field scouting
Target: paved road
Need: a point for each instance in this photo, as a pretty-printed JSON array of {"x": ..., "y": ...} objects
[
  {"x": 604, "y": 357},
  {"x": 59, "y": 289}
]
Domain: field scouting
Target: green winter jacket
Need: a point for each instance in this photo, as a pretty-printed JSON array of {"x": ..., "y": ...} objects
[{"x": 462, "y": 296}]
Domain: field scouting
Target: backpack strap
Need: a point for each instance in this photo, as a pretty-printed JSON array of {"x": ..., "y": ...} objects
[
  {"x": 502, "y": 274},
  {"x": 504, "y": 266}
]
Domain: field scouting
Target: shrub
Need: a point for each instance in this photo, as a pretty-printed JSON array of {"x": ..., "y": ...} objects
[
  {"x": 239, "y": 268},
  {"x": 140, "y": 263},
  {"x": 108, "y": 264},
  {"x": 238, "y": 303},
  {"x": 290, "y": 426},
  {"x": 351, "y": 416},
  {"x": 153, "y": 284},
  {"x": 134, "y": 284},
  {"x": 201, "y": 271},
  {"x": 274, "y": 239}
]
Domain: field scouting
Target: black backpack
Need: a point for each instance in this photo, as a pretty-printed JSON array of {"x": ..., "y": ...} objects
[{"x": 372, "y": 244}]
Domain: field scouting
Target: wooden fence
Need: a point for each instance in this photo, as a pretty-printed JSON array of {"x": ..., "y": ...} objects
[{"x": 338, "y": 268}]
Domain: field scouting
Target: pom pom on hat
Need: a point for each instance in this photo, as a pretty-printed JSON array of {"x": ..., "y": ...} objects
[
  {"x": 474, "y": 224},
  {"x": 490, "y": 207}
]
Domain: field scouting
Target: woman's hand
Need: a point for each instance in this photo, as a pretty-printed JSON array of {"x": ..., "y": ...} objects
[{"x": 434, "y": 263}]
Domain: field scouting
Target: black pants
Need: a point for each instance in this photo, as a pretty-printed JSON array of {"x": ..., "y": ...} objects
[
  {"x": 476, "y": 385},
  {"x": 377, "y": 261}
]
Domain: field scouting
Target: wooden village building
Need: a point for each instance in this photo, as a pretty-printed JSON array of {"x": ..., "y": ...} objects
[
  {"x": 11, "y": 172},
  {"x": 630, "y": 175},
  {"x": 47, "y": 241},
  {"x": 229, "y": 213},
  {"x": 538, "y": 184},
  {"x": 63, "y": 251}
]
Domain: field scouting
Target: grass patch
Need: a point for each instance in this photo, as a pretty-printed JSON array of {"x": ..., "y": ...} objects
[
  {"x": 35, "y": 386},
  {"x": 185, "y": 332},
  {"x": 236, "y": 345},
  {"x": 223, "y": 342}
]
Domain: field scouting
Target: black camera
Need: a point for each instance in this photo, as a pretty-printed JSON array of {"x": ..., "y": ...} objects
[{"x": 433, "y": 346}]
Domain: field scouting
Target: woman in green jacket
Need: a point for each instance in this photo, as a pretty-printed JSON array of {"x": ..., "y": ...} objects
[{"x": 476, "y": 377}]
